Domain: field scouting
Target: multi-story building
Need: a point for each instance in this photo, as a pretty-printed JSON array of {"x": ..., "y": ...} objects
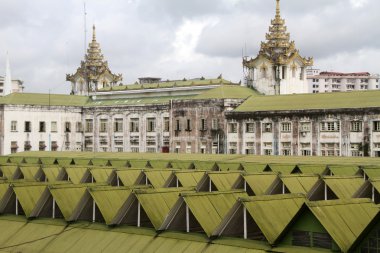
[
  {"x": 320, "y": 82},
  {"x": 17, "y": 85}
]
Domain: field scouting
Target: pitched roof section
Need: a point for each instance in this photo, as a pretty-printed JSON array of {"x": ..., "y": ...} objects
[
  {"x": 227, "y": 92},
  {"x": 344, "y": 187},
  {"x": 299, "y": 183},
  {"x": 28, "y": 196},
  {"x": 216, "y": 205},
  {"x": 259, "y": 183},
  {"x": 157, "y": 203},
  {"x": 110, "y": 200},
  {"x": 344, "y": 220},
  {"x": 265, "y": 211},
  {"x": 157, "y": 178},
  {"x": 338, "y": 100},
  {"x": 43, "y": 99},
  {"x": 189, "y": 178},
  {"x": 224, "y": 181}
]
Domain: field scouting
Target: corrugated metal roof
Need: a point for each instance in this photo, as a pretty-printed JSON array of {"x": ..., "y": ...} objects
[
  {"x": 77, "y": 174},
  {"x": 282, "y": 168},
  {"x": 344, "y": 187},
  {"x": 260, "y": 182},
  {"x": 273, "y": 214},
  {"x": 189, "y": 178},
  {"x": 102, "y": 175},
  {"x": 299, "y": 183},
  {"x": 312, "y": 168},
  {"x": 68, "y": 198},
  {"x": 224, "y": 181},
  {"x": 346, "y": 170},
  {"x": 138, "y": 164},
  {"x": 372, "y": 173},
  {"x": 229, "y": 166},
  {"x": 158, "y": 164},
  {"x": 129, "y": 177},
  {"x": 52, "y": 173},
  {"x": 158, "y": 178},
  {"x": 28, "y": 196},
  {"x": 344, "y": 220},
  {"x": 204, "y": 165},
  {"x": 254, "y": 167},
  {"x": 110, "y": 200},
  {"x": 9, "y": 171},
  {"x": 158, "y": 202},
  {"x": 216, "y": 205},
  {"x": 30, "y": 172}
]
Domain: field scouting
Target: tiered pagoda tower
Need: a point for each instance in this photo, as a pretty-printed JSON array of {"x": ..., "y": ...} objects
[
  {"x": 278, "y": 68},
  {"x": 93, "y": 73}
]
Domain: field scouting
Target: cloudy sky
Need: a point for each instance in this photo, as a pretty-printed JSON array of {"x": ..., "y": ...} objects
[{"x": 174, "y": 39}]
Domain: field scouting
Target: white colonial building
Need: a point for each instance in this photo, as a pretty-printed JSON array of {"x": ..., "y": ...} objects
[{"x": 325, "y": 81}]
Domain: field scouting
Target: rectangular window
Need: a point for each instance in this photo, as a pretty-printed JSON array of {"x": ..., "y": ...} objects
[
  {"x": 27, "y": 146},
  {"x": 233, "y": 148},
  {"x": 376, "y": 126},
  {"x": 203, "y": 125},
  {"x": 188, "y": 125},
  {"x": 286, "y": 127},
  {"x": 54, "y": 146},
  {"x": 119, "y": 150},
  {"x": 103, "y": 141},
  {"x": 135, "y": 150},
  {"x": 67, "y": 127},
  {"x": 118, "y": 141},
  {"x": 151, "y": 150},
  {"x": 178, "y": 125},
  {"x": 78, "y": 127},
  {"x": 333, "y": 126},
  {"x": 188, "y": 148},
  {"x": 53, "y": 126},
  {"x": 103, "y": 126},
  {"x": 232, "y": 127},
  {"x": 215, "y": 124},
  {"x": 89, "y": 126},
  {"x": 135, "y": 141},
  {"x": 42, "y": 127},
  {"x": 151, "y": 125},
  {"x": 41, "y": 146},
  {"x": 356, "y": 126},
  {"x": 268, "y": 148},
  {"x": 250, "y": 148},
  {"x": 14, "y": 147},
  {"x": 286, "y": 148},
  {"x": 88, "y": 142},
  {"x": 28, "y": 127},
  {"x": 13, "y": 126},
  {"x": 166, "y": 124},
  {"x": 306, "y": 152},
  {"x": 134, "y": 125},
  {"x": 330, "y": 149},
  {"x": 250, "y": 127},
  {"x": 305, "y": 127},
  {"x": 267, "y": 127},
  {"x": 118, "y": 126}
]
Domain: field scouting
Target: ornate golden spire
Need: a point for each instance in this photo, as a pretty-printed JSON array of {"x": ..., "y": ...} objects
[
  {"x": 93, "y": 33},
  {"x": 278, "y": 9},
  {"x": 278, "y": 46}
]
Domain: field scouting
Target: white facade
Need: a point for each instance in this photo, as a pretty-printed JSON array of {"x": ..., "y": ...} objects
[
  {"x": 17, "y": 85},
  {"x": 320, "y": 82},
  {"x": 40, "y": 128}
]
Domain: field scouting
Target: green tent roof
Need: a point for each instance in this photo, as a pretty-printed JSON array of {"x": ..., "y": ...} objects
[
  {"x": 110, "y": 200},
  {"x": 10, "y": 171},
  {"x": 157, "y": 203},
  {"x": 346, "y": 170},
  {"x": 129, "y": 177},
  {"x": 274, "y": 213},
  {"x": 312, "y": 168},
  {"x": 28, "y": 196},
  {"x": 224, "y": 181},
  {"x": 229, "y": 166},
  {"x": 372, "y": 173},
  {"x": 216, "y": 205},
  {"x": 158, "y": 178},
  {"x": 52, "y": 173},
  {"x": 77, "y": 174},
  {"x": 282, "y": 168},
  {"x": 102, "y": 175},
  {"x": 299, "y": 183},
  {"x": 260, "y": 182},
  {"x": 68, "y": 199},
  {"x": 31, "y": 172},
  {"x": 344, "y": 220},
  {"x": 189, "y": 178},
  {"x": 344, "y": 187}
]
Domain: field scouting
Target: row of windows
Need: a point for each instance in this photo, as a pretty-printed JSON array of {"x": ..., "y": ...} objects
[
  {"x": 27, "y": 146},
  {"x": 333, "y": 126},
  {"x": 202, "y": 124},
  {"x": 89, "y": 126}
]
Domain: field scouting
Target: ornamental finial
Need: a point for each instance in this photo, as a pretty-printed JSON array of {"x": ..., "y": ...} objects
[
  {"x": 278, "y": 8},
  {"x": 93, "y": 33}
]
